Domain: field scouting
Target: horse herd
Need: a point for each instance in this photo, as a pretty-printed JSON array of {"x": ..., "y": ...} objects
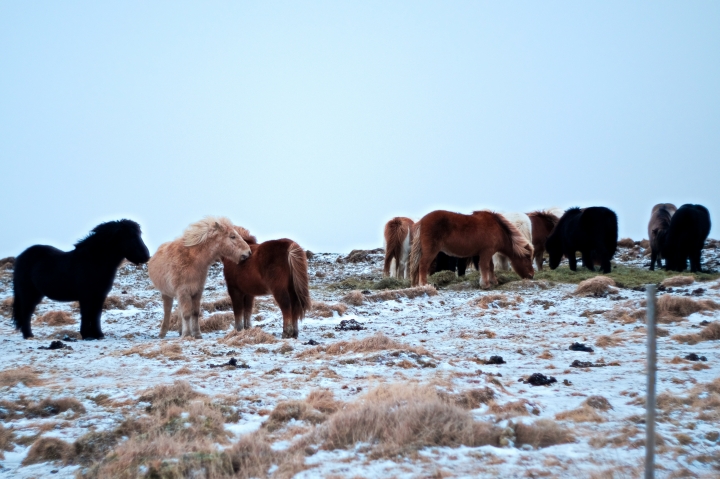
[{"x": 440, "y": 240}]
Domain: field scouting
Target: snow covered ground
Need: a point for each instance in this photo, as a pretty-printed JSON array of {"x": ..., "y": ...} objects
[{"x": 531, "y": 328}]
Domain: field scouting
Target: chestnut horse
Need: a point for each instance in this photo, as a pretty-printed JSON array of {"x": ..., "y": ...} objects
[
  {"x": 398, "y": 237},
  {"x": 543, "y": 222},
  {"x": 482, "y": 233},
  {"x": 277, "y": 267},
  {"x": 522, "y": 222},
  {"x": 657, "y": 230},
  {"x": 179, "y": 268}
]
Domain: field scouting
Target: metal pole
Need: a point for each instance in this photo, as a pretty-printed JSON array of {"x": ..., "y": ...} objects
[{"x": 651, "y": 372}]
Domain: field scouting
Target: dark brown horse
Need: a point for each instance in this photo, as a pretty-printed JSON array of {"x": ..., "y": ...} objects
[
  {"x": 482, "y": 233},
  {"x": 277, "y": 267},
  {"x": 657, "y": 230},
  {"x": 398, "y": 238},
  {"x": 543, "y": 223}
]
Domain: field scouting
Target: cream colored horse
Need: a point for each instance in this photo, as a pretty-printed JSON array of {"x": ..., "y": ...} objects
[
  {"x": 179, "y": 268},
  {"x": 522, "y": 222}
]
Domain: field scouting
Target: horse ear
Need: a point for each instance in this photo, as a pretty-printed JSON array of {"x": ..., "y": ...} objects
[
  {"x": 217, "y": 225},
  {"x": 655, "y": 230}
]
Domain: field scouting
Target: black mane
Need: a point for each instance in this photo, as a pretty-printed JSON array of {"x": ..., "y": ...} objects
[{"x": 105, "y": 232}]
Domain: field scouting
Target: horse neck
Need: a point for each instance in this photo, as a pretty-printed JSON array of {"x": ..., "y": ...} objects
[
  {"x": 205, "y": 255},
  {"x": 104, "y": 259}
]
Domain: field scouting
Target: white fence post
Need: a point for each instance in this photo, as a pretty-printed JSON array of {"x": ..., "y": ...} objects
[{"x": 651, "y": 372}]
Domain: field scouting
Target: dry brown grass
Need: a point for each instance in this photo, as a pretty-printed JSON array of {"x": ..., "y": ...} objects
[
  {"x": 222, "y": 304},
  {"x": 511, "y": 409},
  {"x": 608, "y": 341},
  {"x": 675, "y": 308},
  {"x": 488, "y": 301},
  {"x": 626, "y": 243},
  {"x": 320, "y": 309},
  {"x": 354, "y": 298},
  {"x": 626, "y": 313},
  {"x": 400, "y": 419},
  {"x": 596, "y": 286},
  {"x": 252, "y": 456},
  {"x": 390, "y": 294},
  {"x": 7, "y": 437},
  {"x": 542, "y": 433},
  {"x": 585, "y": 413},
  {"x": 166, "y": 349},
  {"x": 703, "y": 400},
  {"x": 22, "y": 374},
  {"x": 376, "y": 342},
  {"x": 711, "y": 332},
  {"x": 677, "y": 281},
  {"x": 471, "y": 398},
  {"x": 6, "y": 306},
  {"x": 54, "y": 406},
  {"x": 217, "y": 322},
  {"x": 124, "y": 302},
  {"x": 48, "y": 449},
  {"x": 55, "y": 318},
  {"x": 254, "y": 335}
]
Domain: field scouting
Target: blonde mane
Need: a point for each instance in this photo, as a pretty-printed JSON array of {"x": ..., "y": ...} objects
[
  {"x": 199, "y": 232},
  {"x": 521, "y": 246},
  {"x": 245, "y": 234}
]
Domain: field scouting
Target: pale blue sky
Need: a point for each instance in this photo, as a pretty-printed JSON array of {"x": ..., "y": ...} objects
[{"x": 319, "y": 121}]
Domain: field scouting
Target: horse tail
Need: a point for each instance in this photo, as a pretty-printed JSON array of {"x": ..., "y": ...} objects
[
  {"x": 395, "y": 233},
  {"x": 415, "y": 256},
  {"x": 520, "y": 245},
  {"x": 297, "y": 260}
]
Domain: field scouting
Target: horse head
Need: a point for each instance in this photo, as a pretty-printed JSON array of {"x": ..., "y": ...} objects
[
  {"x": 232, "y": 245},
  {"x": 130, "y": 240},
  {"x": 522, "y": 264}
]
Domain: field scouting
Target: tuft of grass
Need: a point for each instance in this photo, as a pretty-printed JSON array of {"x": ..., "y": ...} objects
[
  {"x": 488, "y": 301},
  {"x": 676, "y": 281},
  {"x": 55, "y": 318},
  {"x": 596, "y": 286},
  {"x": 321, "y": 309},
  {"x": 399, "y": 419},
  {"x": 6, "y": 306},
  {"x": 222, "y": 304},
  {"x": 169, "y": 350},
  {"x": 124, "y": 302},
  {"x": 675, "y": 308},
  {"x": 54, "y": 406},
  {"x": 254, "y": 335},
  {"x": 542, "y": 433},
  {"x": 22, "y": 374},
  {"x": 376, "y": 342},
  {"x": 48, "y": 449},
  {"x": 165, "y": 396},
  {"x": 217, "y": 322},
  {"x": 356, "y": 298},
  {"x": 7, "y": 438},
  {"x": 587, "y": 412},
  {"x": 711, "y": 332},
  {"x": 369, "y": 284},
  {"x": 626, "y": 243}
]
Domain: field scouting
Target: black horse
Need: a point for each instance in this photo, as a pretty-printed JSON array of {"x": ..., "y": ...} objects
[
  {"x": 84, "y": 274},
  {"x": 444, "y": 262},
  {"x": 592, "y": 231},
  {"x": 689, "y": 228}
]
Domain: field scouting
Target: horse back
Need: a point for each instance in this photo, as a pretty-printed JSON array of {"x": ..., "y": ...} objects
[
  {"x": 49, "y": 271},
  {"x": 265, "y": 270},
  {"x": 600, "y": 227}
]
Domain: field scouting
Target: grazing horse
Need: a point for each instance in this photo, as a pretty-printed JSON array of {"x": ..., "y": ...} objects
[
  {"x": 277, "y": 267},
  {"x": 689, "y": 228},
  {"x": 522, "y": 222},
  {"x": 542, "y": 223},
  {"x": 482, "y": 233},
  {"x": 398, "y": 237},
  {"x": 593, "y": 231},
  {"x": 657, "y": 230},
  {"x": 179, "y": 268},
  {"x": 84, "y": 274}
]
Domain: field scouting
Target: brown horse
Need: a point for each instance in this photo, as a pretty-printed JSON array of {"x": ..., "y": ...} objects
[
  {"x": 543, "y": 223},
  {"x": 482, "y": 233},
  {"x": 657, "y": 230},
  {"x": 179, "y": 268},
  {"x": 398, "y": 238},
  {"x": 277, "y": 267}
]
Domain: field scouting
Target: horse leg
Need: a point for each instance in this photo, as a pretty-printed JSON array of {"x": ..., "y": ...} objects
[
  {"x": 90, "y": 312},
  {"x": 238, "y": 303},
  {"x": 167, "y": 314},
  {"x": 653, "y": 259},
  {"x": 587, "y": 260},
  {"x": 695, "y": 260},
  {"x": 572, "y": 261},
  {"x": 195, "y": 317},
  {"x": 462, "y": 266},
  {"x": 487, "y": 271},
  {"x": 247, "y": 310},
  {"x": 185, "y": 309},
  {"x": 282, "y": 298},
  {"x": 25, "y": 301},
  {"x": 539, "y": 257}
]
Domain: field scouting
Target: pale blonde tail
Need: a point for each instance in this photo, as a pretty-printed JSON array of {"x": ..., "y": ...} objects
[
  {"x": 298, "y": 266},
  {"x": 415, "y": 256},
  {"x": 395, "y": 233}
]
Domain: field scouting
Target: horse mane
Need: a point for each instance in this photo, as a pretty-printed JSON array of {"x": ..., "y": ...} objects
[
  {"x": 548, "y": 217},
  {"x": 520, "y": 244},
  {"x": 200, "y": 231},
  {"x": 104, "y": 232},
  {"x": 245, "y": 234}
]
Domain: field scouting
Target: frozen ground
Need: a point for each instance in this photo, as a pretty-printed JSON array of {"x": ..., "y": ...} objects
[{"x": 532, "y": 331}]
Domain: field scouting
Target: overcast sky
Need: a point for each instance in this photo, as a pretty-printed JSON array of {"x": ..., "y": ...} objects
[{"x": 319, "y": 121}]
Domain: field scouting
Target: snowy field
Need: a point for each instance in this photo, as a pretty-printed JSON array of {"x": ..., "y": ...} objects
[{"x": 341, "y": 406}]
